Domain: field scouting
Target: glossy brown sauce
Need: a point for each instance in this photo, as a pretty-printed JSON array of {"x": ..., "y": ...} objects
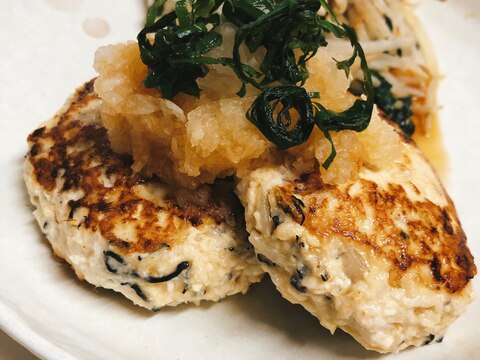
[{"x": 430, "y": 142}]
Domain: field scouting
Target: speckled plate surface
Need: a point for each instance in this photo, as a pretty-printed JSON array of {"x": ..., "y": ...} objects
[{"x": 47, "y": 51}]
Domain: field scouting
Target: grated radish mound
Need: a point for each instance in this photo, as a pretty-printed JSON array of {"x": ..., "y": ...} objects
[{"x": 191, "y": 141}]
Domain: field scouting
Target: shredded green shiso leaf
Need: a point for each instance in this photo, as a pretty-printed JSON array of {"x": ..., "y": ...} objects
[
  {"x": 399, "y": 110},
  {"x": 173, "y": 45}
]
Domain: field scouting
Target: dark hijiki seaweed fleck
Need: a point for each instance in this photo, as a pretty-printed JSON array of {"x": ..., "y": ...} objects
[
  {"x": 74, "y": 205},
  {"x": 298, "y": 204},
  {"x": 276, "y": 221},
  {"x": 429, "y": 339},
  {"x": 180, "y": 267},
  {"x": 262, "y": 258},
  {"x": 109, "y": 255},
  {"x": 299, "y": 243},
  {"x": 302, "y": 272},
  {"x": 295, "y": 281},
  {"x": 138, "y": 290}
]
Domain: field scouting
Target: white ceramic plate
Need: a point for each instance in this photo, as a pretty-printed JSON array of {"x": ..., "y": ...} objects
[{"x": 46, "y": 53}]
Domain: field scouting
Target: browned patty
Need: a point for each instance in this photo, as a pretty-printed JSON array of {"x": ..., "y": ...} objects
[
  {"x": 108, "y": 206},
  {"x": 434, "y": 236},
  {"x": 121, "y": 230},
  {"x": 382, "y": 256}
]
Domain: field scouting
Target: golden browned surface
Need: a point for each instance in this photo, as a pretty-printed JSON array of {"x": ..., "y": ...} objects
[
  {"x": 77, "y": 157},
  {"x": 433, "y": 236}
]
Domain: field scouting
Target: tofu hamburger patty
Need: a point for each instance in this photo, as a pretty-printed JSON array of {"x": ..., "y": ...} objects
[
  {"x": 121, "y": 231},
  {"x": 382, "y": 257}
]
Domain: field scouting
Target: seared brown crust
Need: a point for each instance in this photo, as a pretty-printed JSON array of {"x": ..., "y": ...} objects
[
  {"x": 434, "y": 237},
  {"x": 76, "y": 156}
]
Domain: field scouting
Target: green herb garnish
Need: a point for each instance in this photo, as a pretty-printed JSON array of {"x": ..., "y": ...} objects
[
  {"x": 271, "y": 113},
  {"x": 173, "y": 46},
  {"x": 181, "y": 37},
  {"x": 399, "y": 110}
]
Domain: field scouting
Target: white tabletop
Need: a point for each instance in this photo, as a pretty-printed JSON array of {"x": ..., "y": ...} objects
[{"x": 11, "y": 350}]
